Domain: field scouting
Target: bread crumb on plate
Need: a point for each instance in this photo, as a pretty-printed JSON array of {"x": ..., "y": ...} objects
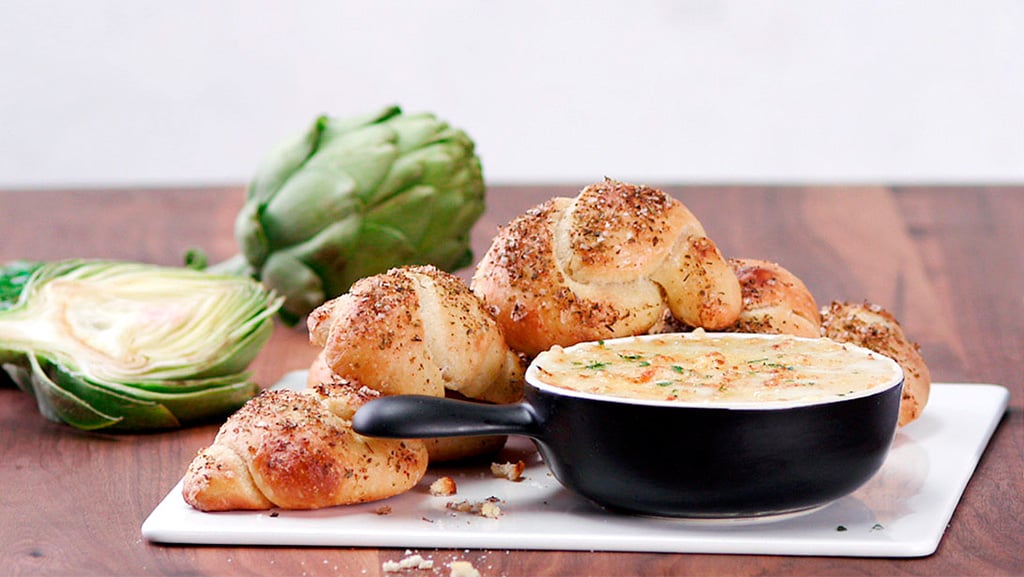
[
  {"x": 487, "y": 508},
  {"x": 443, "y": 487},
  {"x": 510, "y": 471},
  {"x": 490, "y": 510}
]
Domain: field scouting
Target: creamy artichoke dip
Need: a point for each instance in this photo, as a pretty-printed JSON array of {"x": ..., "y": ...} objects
[{"x": 716, "y": 368}]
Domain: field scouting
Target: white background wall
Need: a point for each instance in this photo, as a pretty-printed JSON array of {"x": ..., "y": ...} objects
[{"x": 196, "y": 92}]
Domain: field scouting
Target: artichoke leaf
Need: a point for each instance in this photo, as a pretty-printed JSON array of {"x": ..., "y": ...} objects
[
  {"x": 301, "y": 287},
  {"x": 328, "y": 251},
  {"x": 210, "y": 403},
  {"x": 337, "y": 127},
  {"x": 13, "y": 278},
  {"x": 286, "y": 159},
  {"x": 132, "y": 412},
  {"x": 418, "y": 130},
  {"x": 145, "y": 406},
  {"x": 415, "y": 209},
  {"x": 426, "y": 232},
  {"x": 366, "y": 162},
  {"x": 450, "y": 250},
  {"x": 307, "y": 205},
  {"x": 333, "y": 185},
  {"x": 378, "y": 246},
  {"x": 284, "y": 164},
  {"x": 55, "y": 403},
  {"x": 253, "y": 243}
]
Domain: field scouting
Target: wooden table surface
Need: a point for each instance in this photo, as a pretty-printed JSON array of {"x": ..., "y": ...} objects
[{"x": 948, "y": 262}]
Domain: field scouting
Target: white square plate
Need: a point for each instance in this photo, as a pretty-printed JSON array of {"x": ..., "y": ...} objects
[{"x": 902, "y": 512}]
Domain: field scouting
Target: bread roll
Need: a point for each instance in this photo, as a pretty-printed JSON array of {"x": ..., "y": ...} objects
[
  {"x": 775, "y": 301},
  {"x": 604, "y": 264},
  {"x": 418, "y": 330},
  {"x": 297, "y": 450},
  {"x": 874, "y": 328}
]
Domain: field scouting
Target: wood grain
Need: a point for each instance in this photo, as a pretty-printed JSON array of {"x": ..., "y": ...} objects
[{"x": 949, "y": 261}]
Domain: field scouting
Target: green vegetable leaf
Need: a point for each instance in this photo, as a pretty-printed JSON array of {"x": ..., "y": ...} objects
[{"x": 13, "y": 278}]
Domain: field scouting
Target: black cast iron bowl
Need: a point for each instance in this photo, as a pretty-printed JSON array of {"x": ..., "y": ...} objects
[{"x": 673, "y": 459}]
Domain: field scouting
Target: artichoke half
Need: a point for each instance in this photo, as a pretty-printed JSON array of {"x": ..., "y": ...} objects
[
  {"x": 353, "y": 197},
  {"x": 130, "y": 347}
]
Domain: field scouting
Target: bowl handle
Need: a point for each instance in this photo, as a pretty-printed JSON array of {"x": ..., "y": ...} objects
[{"x": 421, "y": 416}]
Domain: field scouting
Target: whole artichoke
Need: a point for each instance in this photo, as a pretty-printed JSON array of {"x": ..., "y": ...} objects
[{"x": 353, "y": 197}]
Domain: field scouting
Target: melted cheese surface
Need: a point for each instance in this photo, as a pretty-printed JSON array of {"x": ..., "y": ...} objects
[{"x": 716, "y": 368}]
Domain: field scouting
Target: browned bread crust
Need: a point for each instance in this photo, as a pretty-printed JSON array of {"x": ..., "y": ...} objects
[
  {"x": 604, "y": 264},
  {"x": 297, "y": 450},
  {"x": 418, "y": 330},
  {"x": 775, "y": 301},
  {"x": 874, "y": 328}
]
